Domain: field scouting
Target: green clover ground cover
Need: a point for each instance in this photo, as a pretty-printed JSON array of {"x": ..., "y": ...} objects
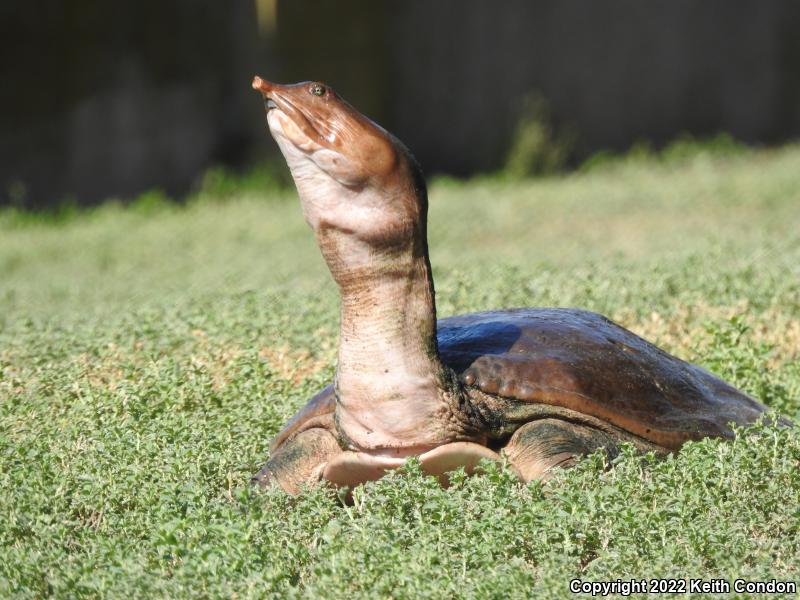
[{"x": 148, "y": 356}]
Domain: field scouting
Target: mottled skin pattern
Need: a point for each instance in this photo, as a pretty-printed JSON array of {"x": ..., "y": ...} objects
[{"x": 536, "y": 388}]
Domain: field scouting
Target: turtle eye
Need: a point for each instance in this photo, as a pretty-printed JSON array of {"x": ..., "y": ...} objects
[{"x": 317, "y": 89}]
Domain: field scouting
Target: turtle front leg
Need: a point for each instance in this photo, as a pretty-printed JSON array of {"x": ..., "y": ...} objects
[
  {"x": 540, "y": 446},
  {"x": 299, "y": 461}
]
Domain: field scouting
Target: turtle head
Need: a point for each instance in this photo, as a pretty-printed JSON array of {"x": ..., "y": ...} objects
[
  {"x": 360, "y": 189},
  {"x": 312, "y": 124}
]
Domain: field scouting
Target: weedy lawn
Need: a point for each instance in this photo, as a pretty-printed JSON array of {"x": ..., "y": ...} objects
[{"x": 148, "y": 356}]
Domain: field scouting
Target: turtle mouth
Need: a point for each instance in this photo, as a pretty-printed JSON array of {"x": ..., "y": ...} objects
[
  {"x": 305, "y": 119},
  {"x": 308, "y": 124},
  {"x": 267, "y": 90}
]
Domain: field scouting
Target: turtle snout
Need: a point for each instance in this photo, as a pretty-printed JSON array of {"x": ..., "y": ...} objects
[{"x": 266, "y": 88}]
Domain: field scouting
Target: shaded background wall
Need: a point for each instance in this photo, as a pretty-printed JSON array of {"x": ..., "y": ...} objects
[{"x": 109, "y": 99}]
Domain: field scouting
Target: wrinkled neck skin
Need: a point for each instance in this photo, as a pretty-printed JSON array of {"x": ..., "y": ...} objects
[
  {"x": 388, "y": 378},
  {"x": 394, "y": 396}
]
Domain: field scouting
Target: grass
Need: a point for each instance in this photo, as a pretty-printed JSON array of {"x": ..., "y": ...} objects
[{"x": 148, "y": 355}]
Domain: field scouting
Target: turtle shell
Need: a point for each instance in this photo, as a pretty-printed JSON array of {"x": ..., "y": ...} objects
[
  {"x": 581, "y": 361},
  {"x": 584, "y": 362}
]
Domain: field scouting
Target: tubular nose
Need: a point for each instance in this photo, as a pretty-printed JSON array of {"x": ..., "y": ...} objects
[{"x": 262, "y": 85}]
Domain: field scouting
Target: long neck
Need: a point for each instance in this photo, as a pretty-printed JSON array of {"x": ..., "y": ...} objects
[
  {"x": 394, "y": 396},
  {"x": 391, "y": 397},
  {"x": 387, "y": 338}
]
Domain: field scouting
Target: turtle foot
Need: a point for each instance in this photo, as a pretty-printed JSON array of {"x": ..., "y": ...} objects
[
  {"x": 539, "y": 447},
  {"x": 299, "y": 462}
]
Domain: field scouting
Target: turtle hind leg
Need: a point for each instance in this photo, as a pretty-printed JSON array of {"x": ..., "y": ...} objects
[
  {"x": 299, "y": 461},
  {"x": 540, "y": 446}
]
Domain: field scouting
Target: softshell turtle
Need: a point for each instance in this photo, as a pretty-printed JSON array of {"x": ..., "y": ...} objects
[{"x": 537, "y": 387}]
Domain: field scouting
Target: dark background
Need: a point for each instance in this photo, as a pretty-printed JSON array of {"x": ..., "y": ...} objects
[{"x": 107, "y": 99}]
